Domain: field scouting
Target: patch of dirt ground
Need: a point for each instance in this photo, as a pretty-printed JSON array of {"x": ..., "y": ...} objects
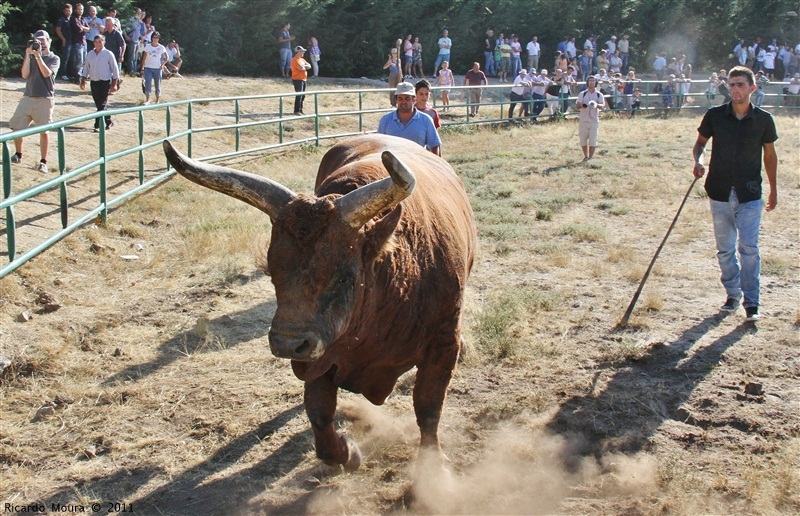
[{"x": 151, "y": 384}]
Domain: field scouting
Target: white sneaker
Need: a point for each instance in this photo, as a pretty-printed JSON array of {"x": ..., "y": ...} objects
[{"x": 42, "y": 167}]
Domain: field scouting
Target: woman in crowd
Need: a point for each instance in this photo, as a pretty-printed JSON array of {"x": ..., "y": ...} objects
[
  {"x": 315, "y": 53},
  {"x": 408, "y": 55},
  {"x": 416, "y": 58},
  {"x": 628, "y": 88},
  {"x": 615, "y": 63},
  {"x": 155, "y": 57},
  {"x": 393, "y": 64}
]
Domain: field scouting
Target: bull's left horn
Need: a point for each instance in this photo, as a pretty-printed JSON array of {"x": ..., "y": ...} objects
[
  {"x": 359, "y": 206},
  {"x": 260, "y": 192}
]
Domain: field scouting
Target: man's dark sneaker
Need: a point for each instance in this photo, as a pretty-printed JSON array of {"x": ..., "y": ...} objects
[
  {"x": 730, "y": 305},
  {"x": 752, "y": 313}
]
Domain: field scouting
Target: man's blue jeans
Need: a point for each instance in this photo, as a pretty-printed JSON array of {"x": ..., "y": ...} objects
[
  {"x": 66, "y": 50},
  {"x": 732, "y": 220},
  {"x": 758, "y": 97},
  {"x": 76, "y": 57},
  {"x": 516, "y": 66},
  {"x": 489, "y": 66}
]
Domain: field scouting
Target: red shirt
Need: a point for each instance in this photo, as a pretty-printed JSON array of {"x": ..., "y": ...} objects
[{"x": 474, "y": 78}]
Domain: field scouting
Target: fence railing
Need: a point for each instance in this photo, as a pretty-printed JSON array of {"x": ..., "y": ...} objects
[{"x": 256, "y": 123}]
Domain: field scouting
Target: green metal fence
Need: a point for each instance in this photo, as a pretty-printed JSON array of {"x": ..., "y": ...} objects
[{"x": 359, "y": 109}]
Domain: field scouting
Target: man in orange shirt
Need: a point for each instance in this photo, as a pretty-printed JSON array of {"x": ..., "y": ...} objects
[{"x": 300, "y": 68}]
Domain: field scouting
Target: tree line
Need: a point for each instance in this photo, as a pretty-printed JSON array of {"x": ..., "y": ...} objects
[{"x": 237, "y": 37}]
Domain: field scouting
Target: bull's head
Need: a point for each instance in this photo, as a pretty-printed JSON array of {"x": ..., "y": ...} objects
[{"x": 320, "y": 248}]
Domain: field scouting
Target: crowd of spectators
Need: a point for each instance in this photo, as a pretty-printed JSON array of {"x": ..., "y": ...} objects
[
  {"x": 96, "y": 51},
  {"x": 130, "y": 41}
]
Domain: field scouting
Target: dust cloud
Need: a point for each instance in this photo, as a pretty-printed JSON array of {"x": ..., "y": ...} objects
[
  {"x": 525, "y": 470},
  {"x": 518, "y": 468}
]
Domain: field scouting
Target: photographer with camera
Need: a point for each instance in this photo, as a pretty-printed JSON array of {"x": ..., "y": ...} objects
[
  {"x": 39, "y": 71},
  {"x": 590, "y": 102}
]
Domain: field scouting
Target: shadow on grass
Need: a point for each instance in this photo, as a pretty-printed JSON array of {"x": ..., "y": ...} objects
[
  {"x": 642, "y": 394},
  {"x": 222, "y": 332},
  {"x": 192, "y": 491}
]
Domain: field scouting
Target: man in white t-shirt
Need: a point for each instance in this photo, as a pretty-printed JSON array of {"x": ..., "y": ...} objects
[
  {"x": 612, "y": 45},
  {"x": 174, "y": 60},
  {"x": 590, "y": 102},
  {"x": 444, "y": 51},
  {"x": 534, "y": 50},
  {"x": 572, "y": 50}
]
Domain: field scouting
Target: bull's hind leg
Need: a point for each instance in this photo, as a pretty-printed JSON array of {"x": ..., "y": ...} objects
[
  {"x": 430, "y": 388},
  {"x": 332, "y": 449}
]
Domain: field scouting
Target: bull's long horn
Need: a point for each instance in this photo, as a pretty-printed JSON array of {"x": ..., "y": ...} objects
[
  {"x": 260, "y": 192},
  {"x": 359, "y": 206}
]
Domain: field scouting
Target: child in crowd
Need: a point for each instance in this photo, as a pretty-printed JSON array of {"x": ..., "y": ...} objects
[
  {"x": 446, "y": 80},
  {"x": 711, "y": 90},
  {"x": 636, "y": 101},
  {"x": 683, "y": 86},
  {"x": 668, "y": 94}
]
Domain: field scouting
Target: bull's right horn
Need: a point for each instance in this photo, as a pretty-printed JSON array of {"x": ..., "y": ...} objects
[
  {"x": 360, "y": 205},
  {"x": 260, "y": 192}
]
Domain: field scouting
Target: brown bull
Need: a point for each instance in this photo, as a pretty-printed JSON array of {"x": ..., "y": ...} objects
[{"x": 369, "y": 278}]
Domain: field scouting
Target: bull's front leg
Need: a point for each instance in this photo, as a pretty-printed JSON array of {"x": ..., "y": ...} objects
[
  {"x": 332, "y": 449},
  {"x": 430, "y": 388}
]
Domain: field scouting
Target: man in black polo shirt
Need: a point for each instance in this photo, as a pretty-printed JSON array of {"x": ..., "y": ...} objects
[{"x": 740, "y": 131}]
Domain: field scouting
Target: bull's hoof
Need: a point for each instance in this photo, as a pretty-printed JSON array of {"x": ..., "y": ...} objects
[{"x": 353, "y": 454}]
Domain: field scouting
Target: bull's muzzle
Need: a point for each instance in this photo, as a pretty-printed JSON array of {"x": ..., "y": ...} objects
[{"x": 305, "y": 347}]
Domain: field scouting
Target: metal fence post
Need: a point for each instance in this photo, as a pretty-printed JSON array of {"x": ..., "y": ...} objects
[
  {"x": 11, "y": 222},
  {"x": 238, "y": 130},
  {"x": 189, "y": 128},
  {"x": 103, "y": 179},
  {"x": 168, "y": 129},
  {"x": 141, "y": 152},
  {"x": 316, "y": 117},
  {"x": 360, "y": 112},
  {"x": 62, "y": 168},
  {"x": 280, "y": 116}
]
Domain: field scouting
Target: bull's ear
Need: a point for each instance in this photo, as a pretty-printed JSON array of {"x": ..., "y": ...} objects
[
  {"x": 260, "y": 192},
  {"x": 380, "y": 237}
]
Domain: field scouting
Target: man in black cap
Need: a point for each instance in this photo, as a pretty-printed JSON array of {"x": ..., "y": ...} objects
[{"x": 36, "y": 106}]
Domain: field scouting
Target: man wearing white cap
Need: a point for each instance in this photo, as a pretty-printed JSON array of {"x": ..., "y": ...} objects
[
  {"x": 408, "y": 122},
  {"x": 36, "y": 106},
  {"x": 611, "y": 44},
  {"x": 300, "y": 68}
]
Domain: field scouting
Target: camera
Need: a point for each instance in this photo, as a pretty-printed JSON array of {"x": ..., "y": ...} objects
[
  {"x": 34, "y": 44},
  {"x": 592, "y": 104}
]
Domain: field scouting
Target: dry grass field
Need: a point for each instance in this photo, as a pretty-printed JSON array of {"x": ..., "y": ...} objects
[{"x": 153, "y": 384}]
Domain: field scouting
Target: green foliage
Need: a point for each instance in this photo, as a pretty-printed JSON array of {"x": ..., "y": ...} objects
[
  {"x": 8, "y": 58},
  {"x": 238, "y": 38}
]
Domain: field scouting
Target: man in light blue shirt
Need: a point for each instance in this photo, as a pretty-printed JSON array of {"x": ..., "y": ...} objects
[
  {"x": 409, "y": 123},
  {"x": 96, "y": 25}
]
